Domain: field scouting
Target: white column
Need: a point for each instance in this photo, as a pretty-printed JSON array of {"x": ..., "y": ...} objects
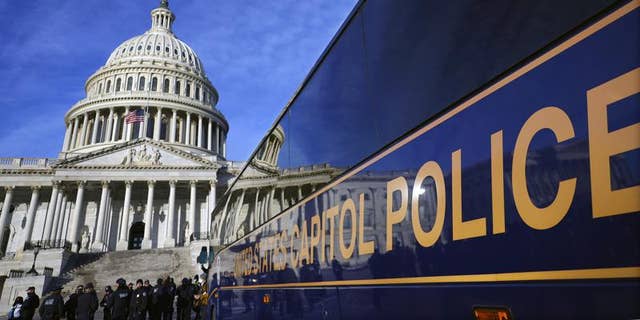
[
  {"x": 60, "y": 223},
  {"x": 115, "y": 126},
  {"x": 83, "y": 132},
  {"x": 172, "y": 131},
  {"x": 94, "y": 132},
  {"x": 148, "y": 213},
  {"x": 127, "y": 126},
  {"x": 67, "y": 219},
  {"x": 188, "y": 130},
  {"x": 124, "y": 218},
  {"x": 170, "y": 240},
  {"x": 142, "y": 127},
  {"x": 156, "y": 124},
  {"x": 192, "y": 210},
  {"x": 107, "y": 132},
  {"x": 31, "y": 212},
  {"x": 98, "y": 244},
  {"x": 50, "y": 213},
  {"x": 199, "y": 131},
  {"x": 109, "y": 221},
  {"x": 75, "y": 218},
  {"x": 6, "y": 206},
  {"x": 209, "y": 135},
  {"x": 224, "y": 145},
  {"x": 74, "y": 134},
  {"x": 218, "y": 139},
  {"x": 64, "y": 219},
  {"x": 212, "y": 203},
  {"x": 67, "y": 136},
  {"x": 56, "y": 216}
]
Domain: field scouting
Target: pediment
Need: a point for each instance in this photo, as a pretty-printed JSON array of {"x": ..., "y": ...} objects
[{"x": 138, "y": 154}]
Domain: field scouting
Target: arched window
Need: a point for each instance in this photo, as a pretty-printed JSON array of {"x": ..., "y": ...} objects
[
  {"x": 197, "y": 92},
  {"x": 118, "y": 84},
  {"x": 187, "y": 89},
  {"x": 165, "y": 86},
  {"x": 108, "y": 86},
  {"x": 154, "y": 84},
  {"x": 177, "y": 91},
  {"x": 141, "y": 84},
  {"x": 129, "y": 83},
  {"x": 100, "y": 88}
]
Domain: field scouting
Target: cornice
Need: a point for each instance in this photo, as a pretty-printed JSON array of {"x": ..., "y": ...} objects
[{"x": 70, "y": 163}]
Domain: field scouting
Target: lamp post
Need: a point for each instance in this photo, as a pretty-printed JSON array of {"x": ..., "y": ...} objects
[{"x": 33, "y": 271}]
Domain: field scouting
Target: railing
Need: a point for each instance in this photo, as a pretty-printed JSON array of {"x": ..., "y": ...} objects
[
  {"x": 306, "y": 168},
  {"x": 47, "y": 271},
  {"x": 16, "y": 273},
  {"x": 14, "y": 163},
  {"x": 48, "y": 244}
]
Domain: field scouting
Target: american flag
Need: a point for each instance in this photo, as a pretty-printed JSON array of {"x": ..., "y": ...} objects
[{"x": 135, "y": 116}]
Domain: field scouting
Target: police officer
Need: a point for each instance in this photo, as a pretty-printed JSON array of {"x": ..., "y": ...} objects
[
  {"x": 87, "y": 303},
  {"x": 139, "y": 300},
  {"x": 119, "y": 301},
  {"x": 52, "y": 307},
  {"x": 172, "y": 291},
  {"x": 31, "y": 303},
  {"x": 185, "y": 299},
  {"x": 149, "y": 290},
  {"x": 72, "y": 303},
  {"x": 158, "y": 301}
]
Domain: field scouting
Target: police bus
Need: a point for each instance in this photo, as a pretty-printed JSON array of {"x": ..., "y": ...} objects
[{"x": 447, "y": 159}]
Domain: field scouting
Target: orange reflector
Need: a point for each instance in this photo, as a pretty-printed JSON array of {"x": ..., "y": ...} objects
[
  {"x": 492, "y": 313},
  {"x": 266, "y": 299}
]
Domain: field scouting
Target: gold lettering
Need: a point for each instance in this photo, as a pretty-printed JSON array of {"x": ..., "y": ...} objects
[
  {"x": 429, "y": 169},
  {"x": 363, "y": 247},
  {"x": 497, "y": 183},
  {"x": 331, "y": 214},
  {"x": 315, "y": 238},
  {"x": 295, "y": 232},
  {"x": 462, "y": 229},
  {"x": 304, "y": 243},
  {"x": 558, "y": 122},
  {"x": 398, "y": 184},
  {"x": 604, "y": 144},
  {"x": 347, "y": 251}
]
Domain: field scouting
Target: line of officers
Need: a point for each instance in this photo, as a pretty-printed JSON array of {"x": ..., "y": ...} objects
[{"x": 128, "y": 302}]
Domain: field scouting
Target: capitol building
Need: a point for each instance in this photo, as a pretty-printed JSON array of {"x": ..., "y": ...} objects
[{"x": 141, "y": 164}]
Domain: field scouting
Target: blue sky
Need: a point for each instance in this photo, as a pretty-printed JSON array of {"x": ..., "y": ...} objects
[{"x": 256, "y": 53}]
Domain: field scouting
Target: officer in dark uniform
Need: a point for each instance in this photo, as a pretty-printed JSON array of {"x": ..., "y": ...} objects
[
  {"x": 87, "y": 303},
  {"x": 31, "y": 303},
  {"x": 172, "y": 291},
  {"x": 72, "y": 303},
  {"x": 185, "y": 299},
  {"x": 119, "y": 301},
  {"x": 149, "y": 290},
  {"x": 52, "y": 307},
  {"x": 139, "y": 300}
]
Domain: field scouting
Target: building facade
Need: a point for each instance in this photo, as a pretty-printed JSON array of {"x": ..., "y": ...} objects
[{"x": 140, "y": 159}]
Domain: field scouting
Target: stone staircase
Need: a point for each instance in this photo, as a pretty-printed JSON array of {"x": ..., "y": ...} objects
[{"x": 104, "y": 269}]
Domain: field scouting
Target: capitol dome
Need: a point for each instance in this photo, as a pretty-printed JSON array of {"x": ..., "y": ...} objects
[{"x": 152, "y": 86}]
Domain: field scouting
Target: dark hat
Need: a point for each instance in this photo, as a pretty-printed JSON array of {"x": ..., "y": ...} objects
[
  {"x": 139, "y": 281},
  {"x": 89, "y": 285},
  {"x": 185, "y": 280},
  {"x": 31, "y": 288},
  {"x": 121, "y": 282}
]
